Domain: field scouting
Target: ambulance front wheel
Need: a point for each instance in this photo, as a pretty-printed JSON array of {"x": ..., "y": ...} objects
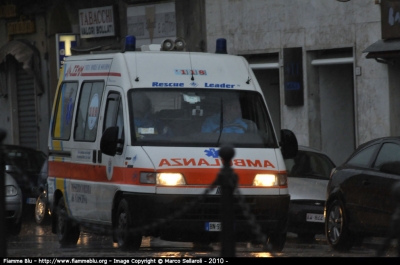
[
  {"x": 127, "y": 239},
  {"x": 67, "y": 230}
]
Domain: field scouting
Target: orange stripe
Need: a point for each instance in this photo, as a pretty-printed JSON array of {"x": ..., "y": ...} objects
[{"x": 122, "y": 175}]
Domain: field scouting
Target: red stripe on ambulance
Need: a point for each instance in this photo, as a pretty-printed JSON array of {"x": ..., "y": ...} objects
[{"x": 177, "y": 162}]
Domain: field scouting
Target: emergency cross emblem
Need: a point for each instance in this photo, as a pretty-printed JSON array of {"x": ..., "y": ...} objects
[{"x": 211, "y": 153}]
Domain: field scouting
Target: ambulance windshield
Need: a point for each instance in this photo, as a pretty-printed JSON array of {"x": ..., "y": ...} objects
[{"x": 199, "y": 117}]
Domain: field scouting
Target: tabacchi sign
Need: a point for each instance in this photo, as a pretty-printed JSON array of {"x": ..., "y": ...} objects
[{"x": 97, "y": 22}]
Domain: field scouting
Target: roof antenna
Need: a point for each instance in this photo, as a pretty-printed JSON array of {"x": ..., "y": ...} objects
[
  {"x": 248, "y": 74},
  {"x": 191, "y": 67},
  {"x": 137, "y": 78}
]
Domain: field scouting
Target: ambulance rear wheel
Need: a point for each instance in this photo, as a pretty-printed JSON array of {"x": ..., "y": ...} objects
[
  {"x": 126, "y": 238},
  {"x": 67, "y": 231}
]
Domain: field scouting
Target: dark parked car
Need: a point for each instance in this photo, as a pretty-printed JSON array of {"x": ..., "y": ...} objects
[
  {"x": 308, "y": 176},
  {"x": 24, "y": 165},
  {"x": 359, "y": 194}
]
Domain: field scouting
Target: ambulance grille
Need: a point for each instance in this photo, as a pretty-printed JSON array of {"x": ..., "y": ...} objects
[{"x": 210, "y": 209}]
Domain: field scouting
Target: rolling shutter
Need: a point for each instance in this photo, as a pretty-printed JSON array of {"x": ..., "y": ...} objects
[{"x": 27, "y": 122}]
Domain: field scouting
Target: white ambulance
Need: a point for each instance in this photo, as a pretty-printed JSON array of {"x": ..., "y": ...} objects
[{"x": 134, "y": 139}]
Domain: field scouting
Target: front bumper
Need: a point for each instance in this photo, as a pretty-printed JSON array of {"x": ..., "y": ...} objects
[
  {"x": 298, "y": 217},
  {"x": 183, "y": 221}
]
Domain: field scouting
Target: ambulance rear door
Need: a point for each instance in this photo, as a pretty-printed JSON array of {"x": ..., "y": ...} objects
[
  {"x": 84, "y": 176},
  {"x": 86, "y": 172}
]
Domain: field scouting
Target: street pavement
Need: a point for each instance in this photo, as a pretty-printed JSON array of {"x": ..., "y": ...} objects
[{"x": 38, "y": 241}]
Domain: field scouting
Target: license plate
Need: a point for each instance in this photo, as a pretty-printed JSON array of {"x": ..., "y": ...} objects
[
  {"x": 213, "y": 226},
  {"x": 313, "y": 217},
  {"x": 31, "y": 200}
]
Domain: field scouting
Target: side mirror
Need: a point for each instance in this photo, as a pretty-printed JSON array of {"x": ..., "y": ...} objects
[
  {"x": 288, "y": 144},
  {"x": 109, "y": 141},
  {"x": 391, "y": 168}
]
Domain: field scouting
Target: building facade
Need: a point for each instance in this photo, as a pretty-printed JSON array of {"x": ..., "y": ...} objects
[
  {"x": 327, "y": 68},
  {"x": 344, "y": 98}
]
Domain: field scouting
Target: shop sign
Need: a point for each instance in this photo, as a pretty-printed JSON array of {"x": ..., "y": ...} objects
[
  {"x": 390, "y": 19},
  {"x": 96, "y": 22},
  {"x": 152, "y": 23},
  {"x": 21, "y": 27},
  {"x": 293, "y": 76},
  {"x": 64, "y": 43}
]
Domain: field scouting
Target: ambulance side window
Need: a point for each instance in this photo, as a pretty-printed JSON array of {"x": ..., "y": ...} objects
[
  {"x": 88, "y": 111},
  {"x": 64, "y": 109},
  {"x": 114, "y": 117}
]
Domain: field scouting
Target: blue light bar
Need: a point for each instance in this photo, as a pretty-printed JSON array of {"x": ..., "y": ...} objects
[
  {"x": 130, "y": 43},
  {"x": 221, "y": 46}
]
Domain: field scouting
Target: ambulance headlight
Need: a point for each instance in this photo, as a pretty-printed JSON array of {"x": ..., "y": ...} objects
[
  {"x": 269, "y": 180},
  {"x": 170, "y": 179}
]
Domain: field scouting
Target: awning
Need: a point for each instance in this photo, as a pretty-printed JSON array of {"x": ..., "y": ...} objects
[
  {"x": 28, "y": 55},
  {"x": 262, "y": 66},
  {"x": 384, "y": 50},
  {"x": 345, "y": 60}
]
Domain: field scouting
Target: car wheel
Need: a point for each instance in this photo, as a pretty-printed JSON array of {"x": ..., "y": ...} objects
[
  {"x": 41, "y": 211},
  {"x": 67, "y": 231},
  {"x": 277, "y": 241},
  {"x": 336, "y": 227},
  {"x": 306, "y": 237},
  {"x": 125, "y": 238}
]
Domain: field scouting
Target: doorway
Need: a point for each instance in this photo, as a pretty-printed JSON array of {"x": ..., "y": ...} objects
[{"x": 331, "y": 92}]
